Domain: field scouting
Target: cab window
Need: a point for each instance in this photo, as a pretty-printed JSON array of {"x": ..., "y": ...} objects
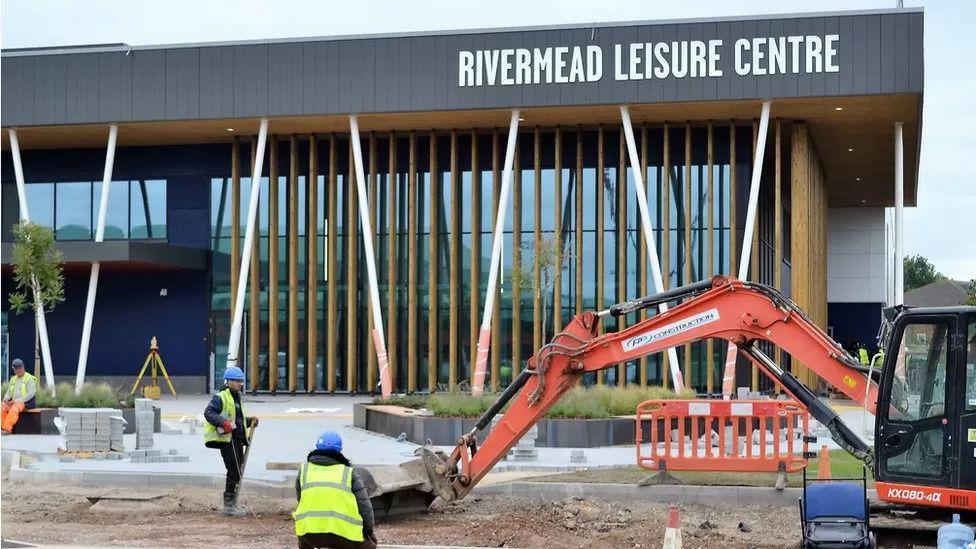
[{"x": 918, "y": 384}]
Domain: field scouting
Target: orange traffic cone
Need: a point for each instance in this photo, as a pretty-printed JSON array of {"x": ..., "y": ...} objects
[
  {"x": 823, "y": 462},
  {"x": 672, "y": 535}
]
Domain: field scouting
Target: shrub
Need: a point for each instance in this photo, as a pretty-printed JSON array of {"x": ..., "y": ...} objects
[
  {"x": 415, "y": 401},
  {"x": 596, "y": 402},
  {"x": 457, "y": 404},
  {"x": 92, "y": 395}
]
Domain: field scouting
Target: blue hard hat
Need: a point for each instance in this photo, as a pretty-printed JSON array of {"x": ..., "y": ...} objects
[
  {"x": 329, "y": 440},
  {"x": 233, "y": 374}
]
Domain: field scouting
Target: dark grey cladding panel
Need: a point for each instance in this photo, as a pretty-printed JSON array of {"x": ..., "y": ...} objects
[
  {"x": 18, "y": 70},
  {"x": 217, "y": 82},
  {"x": 877, "y": 52},
  {"x": 286, "y": 67},
  {"x": 182, "y": 83}
]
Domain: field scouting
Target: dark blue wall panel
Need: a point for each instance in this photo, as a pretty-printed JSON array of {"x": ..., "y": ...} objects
[
  {"x": 129, "y": 309},
  {"x": 128, "y": 312},
  {"x": 855, "y": 322}
]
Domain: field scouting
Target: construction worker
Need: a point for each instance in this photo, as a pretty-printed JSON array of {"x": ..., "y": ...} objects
[
  {"x": 21, "y": 395},
  {"x": 225, "y": 431},
  {"x": 863, "y": 355},
  {"x": 333, "y": 507}
]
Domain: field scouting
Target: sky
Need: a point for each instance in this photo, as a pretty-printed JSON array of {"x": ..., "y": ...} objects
[{"x": 941, "y": 228}]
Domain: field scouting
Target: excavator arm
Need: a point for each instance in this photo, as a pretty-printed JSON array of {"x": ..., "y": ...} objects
[{"x": 740, "y": 312}]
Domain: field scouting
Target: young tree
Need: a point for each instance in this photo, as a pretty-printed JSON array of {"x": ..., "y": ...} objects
[
  {"x": 37, "y": 272},
  {"x": 971, "y": 293},
  {"x": 546, "y": 256},
  {"x": 919, "y": 271}
]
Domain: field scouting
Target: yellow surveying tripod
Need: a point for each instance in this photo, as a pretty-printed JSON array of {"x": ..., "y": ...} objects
[{"x": 152, "y": 391}]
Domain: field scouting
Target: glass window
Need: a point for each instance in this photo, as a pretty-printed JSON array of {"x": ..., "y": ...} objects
[
  {"x": 73, "y": 211},
  {"x": 147, "y": 204},
  {"x": 117, "y": 214},
  {"x": 918, "y": 386},
  {"x": 40, "y": 203}
]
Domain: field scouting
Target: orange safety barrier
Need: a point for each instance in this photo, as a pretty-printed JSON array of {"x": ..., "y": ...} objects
[{"x": 742, "y": 435}]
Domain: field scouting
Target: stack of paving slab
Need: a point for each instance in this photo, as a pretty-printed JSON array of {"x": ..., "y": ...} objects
[
  {"x": 145, "y": 422},
  {"x": 92, "y": 429}
]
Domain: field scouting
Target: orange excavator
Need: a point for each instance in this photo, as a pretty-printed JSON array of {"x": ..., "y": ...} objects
[{"x": 923, "y": 398}]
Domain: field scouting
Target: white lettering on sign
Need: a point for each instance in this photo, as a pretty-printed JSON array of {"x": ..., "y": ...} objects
[
  {"x": 674, "y": 328},
  {"x": 753, "y": 56}
]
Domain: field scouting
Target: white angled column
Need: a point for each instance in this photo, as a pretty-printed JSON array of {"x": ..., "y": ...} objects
[
  {"x": 379, "y": 341},
  {"x": 39, "y": 318},
  {"x": 484, "y": 335},
  {"x": 113, "y": 134},
  {"x": 677, "y": 380},
  {"x": 899, "y": 215},
  {"x": 728, "y": 378},
  {"x": 234, "y": 342}
]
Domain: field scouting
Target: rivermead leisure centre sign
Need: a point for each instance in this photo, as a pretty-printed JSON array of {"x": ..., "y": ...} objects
[{"x": 760, "y": 56}]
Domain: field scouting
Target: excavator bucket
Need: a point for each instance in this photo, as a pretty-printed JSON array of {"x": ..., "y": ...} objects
[{"x": 407, "y": 488}]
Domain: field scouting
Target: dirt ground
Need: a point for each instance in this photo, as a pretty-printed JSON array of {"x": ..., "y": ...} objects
[{"x": 188, "y": 518}]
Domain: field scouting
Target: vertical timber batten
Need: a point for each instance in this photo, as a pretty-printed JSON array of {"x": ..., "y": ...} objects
[
  {"x": 254, "y": 292},
  {"x": 433, "y": 294},
  {"x": 293, "y": 265},
  {"x": 496, "y": 190},
  {"x": 352, "y": 275},
  {"x": 312, "y": 260},
  {"x": 454, "y": 270},
  {"x": 392, "y": 337},
  {"x": 474, "y": 319},
  {"x": 372, "y": 369},
  {"x": 807, "y": 235},
  {"x": 332, "y": 272},
  {"x": 412, "y": 360},
  {"x": 273, "y": 282}
]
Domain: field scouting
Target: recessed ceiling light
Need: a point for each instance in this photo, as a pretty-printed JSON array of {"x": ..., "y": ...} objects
[
  {"x": 858, "y": 178},
  {"x": 838, "y": 108},
  {"x": 230, "y": 129},
  {"x": 850, "y": 149},
  {"x": 864, "y": 202}
]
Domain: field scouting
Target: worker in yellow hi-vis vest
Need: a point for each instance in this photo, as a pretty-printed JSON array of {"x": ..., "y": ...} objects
[
  {"x": 333, "y": 507},
  {"x": 21, "y": 395}
]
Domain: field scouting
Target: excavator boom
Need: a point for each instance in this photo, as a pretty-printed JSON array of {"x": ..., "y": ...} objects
[{"x": 725, "y": 308}]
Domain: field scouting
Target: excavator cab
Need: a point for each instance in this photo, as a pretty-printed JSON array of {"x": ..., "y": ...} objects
[{"x": 925, "y": 433}]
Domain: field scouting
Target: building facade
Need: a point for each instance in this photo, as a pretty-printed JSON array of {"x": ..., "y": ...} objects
[{"x": 434, "y": 109}]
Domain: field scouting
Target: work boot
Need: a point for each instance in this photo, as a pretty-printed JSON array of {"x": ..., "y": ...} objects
[{"x": 230, "y": 506}]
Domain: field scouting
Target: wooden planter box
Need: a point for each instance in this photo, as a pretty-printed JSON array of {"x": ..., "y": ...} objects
[
  {"x": 445, "y": 431},
  {"x": 40, "y": 421}
]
